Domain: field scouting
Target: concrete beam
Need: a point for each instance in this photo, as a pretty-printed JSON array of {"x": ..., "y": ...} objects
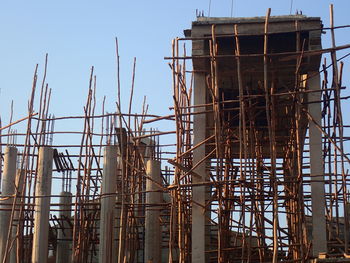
[
  {"x": 108, "y": 247},
  {"x": 42, "y": 206},
  {"x": 318, "y": 202},
  {"x": 8, "y": 189},
  {"x": 153, "y": 235}
]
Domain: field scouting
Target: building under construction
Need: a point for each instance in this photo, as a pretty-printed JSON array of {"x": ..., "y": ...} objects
[{"x": 255, "y": 168}]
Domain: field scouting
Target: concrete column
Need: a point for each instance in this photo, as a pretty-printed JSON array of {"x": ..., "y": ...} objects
[
  {"x": 153, "y": 235},
  {"x": 16, "y": 217},
  {"x": 108, "y": 248},
  {"x": 8, "y": 189},
  {"x": 42, "y": 206},
  {"x": 64, "y": 236},
  {"x": 118, "y": 209},
  {"x": 319, "y": 238},
  {"x": 199, "y": 229}
]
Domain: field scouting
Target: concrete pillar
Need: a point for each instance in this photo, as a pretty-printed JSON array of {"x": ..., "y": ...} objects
[
  {"x": 153, "y": 235},
  {"x": 199, "y": 220},
  {"x": 108, "y": 248},
  {"x": 64, "y": 236},
  {"x": 118, "y": 209},
  {"x": 20, "y": 177},
  {"x": 42, "y": 206},
  {"x": 319, "y": 238},
  {"x": 8, "y": 189}
]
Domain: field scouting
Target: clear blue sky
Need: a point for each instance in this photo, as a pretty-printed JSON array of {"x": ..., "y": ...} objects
[{"x": 78, "y": 34}]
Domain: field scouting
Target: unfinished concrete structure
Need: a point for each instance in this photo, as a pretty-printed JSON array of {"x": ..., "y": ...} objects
[
  {"x": 241, "y": 68},
  {"x": 257, "y": 155},
  {"x": 260, "y": 148}
]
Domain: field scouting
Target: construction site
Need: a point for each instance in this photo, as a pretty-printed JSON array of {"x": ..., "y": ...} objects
[{"x": 254, "y": 169}]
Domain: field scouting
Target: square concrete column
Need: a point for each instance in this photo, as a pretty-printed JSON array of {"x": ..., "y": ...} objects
[
  {"x": 117, "y": 210},
  {"x": 153, "y": 233},
  {"x": 8, "y": 189},
  {"x": 199, "y": 220},
  {"x": 42, "y": 206},
  {"x": 108, "y": 246},
  {"x": 319, "y": 237},
  {"x": 20, "y": 178},
  {"x": 64, "y": 233}
]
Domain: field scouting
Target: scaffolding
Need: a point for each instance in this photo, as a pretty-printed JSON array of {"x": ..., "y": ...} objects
[
  {"x": 255, "y": 168},
  {"x": 266, "y": 180}
]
